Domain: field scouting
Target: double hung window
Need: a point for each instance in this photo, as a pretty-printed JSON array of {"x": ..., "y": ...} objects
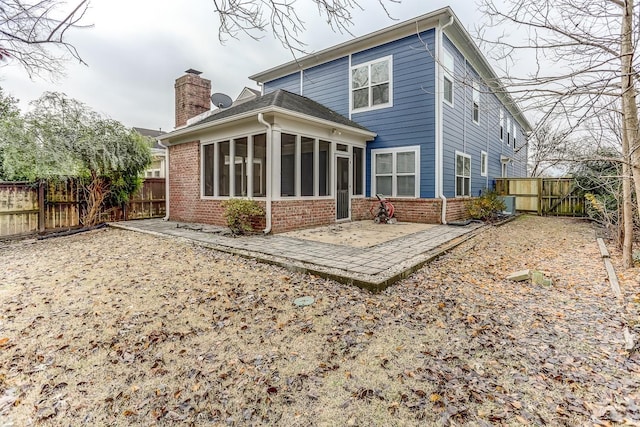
[{"x": 371, "y": 85}]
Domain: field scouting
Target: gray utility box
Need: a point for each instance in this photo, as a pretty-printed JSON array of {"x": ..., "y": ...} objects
[{"x": 510, "y": 203}]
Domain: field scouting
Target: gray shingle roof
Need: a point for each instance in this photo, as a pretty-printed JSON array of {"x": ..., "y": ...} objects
[{"x": 286, "y": 100}]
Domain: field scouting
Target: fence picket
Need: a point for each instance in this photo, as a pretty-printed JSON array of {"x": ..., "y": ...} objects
[{"x": 28, "y": 208}]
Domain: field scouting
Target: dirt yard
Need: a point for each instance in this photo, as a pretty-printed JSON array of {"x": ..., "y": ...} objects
[{"x": 117, "y": 328}]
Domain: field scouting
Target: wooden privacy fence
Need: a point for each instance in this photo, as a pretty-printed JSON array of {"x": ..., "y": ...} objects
[
  {"x": 29, "y": 208},
  {"x": 544, "y": 196}
]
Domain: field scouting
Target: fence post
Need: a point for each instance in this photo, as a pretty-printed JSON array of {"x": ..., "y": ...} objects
[
  {"x": 540, "y": 196},
  {"x": 41, "y": 207}
]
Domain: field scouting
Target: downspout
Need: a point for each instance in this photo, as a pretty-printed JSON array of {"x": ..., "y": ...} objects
[
  {"x": 262, "y": 121},
  {"x": 440, "y": 122},
  {"x": 166, "y": 181}
]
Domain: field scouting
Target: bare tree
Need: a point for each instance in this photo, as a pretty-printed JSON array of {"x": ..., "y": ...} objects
[
  {"x": 550, "y": 150},
  {"x": 585, "y": 63},
  {"x": 33, "y": 34},
  {"x": 280, "y": 17}
]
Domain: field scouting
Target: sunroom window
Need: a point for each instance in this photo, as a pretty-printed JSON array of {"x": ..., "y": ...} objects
[
  {"x": 371, "y": 84},
  {"x": 288, "y": 165},
  {"x": 226, "y": 167}
]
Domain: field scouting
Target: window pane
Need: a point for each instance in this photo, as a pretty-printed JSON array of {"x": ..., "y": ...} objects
[
  {"x": 476, "y": 112},
  {"x": 358, "y": 168},
  {"x": 406, "y": 185},
  {"x": 240, "y": 167},
  {"x": 467, "y": 166},
  {"x": 448, "y": 90},
  {"x": 459, "y": 186},
  {"x": 260, "y": 165},
  {"x": 406, "y": 162},
  {"x": 448, "y": 62},
  {"x": 361, "y": 98},
  {"x": 360, "y": 77},
  {"x": 323, "y": 168},
  {"x": 459, "y": 165},
  {"x": 384, "y": 163},
  {"x": 383, "y": 185},
  {"x": 288, "y": 165},
  {"x": 380, "y": 94},
  {"x": 207, "y": 170},
  {"x": 483, "y": 163},
  {"x": 307, "y": 171},
  {"x": 467, "y": 185},
  {"x": 223, "y": 168},
  {"x": 380, "y": 72}
]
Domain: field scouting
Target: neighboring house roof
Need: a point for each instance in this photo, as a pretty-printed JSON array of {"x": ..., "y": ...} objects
[
  {"x": 152, "y": 134},
  {"x": 248, "y": 93},
  {"x": 456, "y": 32},
  {"x": 288, "y": 101}
]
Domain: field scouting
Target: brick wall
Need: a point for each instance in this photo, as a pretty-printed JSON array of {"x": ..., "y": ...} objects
[
  {"x": 184, "y": 187},
  {"x": 427, "y": 211},
  {"x": 456, "y": 209},
  {"x": 290, "y": 215}
]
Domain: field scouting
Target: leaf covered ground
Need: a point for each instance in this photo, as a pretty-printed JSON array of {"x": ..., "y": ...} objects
[{"x": 119, "y": 328}]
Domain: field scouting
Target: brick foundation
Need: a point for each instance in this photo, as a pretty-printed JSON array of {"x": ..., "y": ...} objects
[
  {"x": 456, "y": 209},
  {"x": 290, "y": 215}
]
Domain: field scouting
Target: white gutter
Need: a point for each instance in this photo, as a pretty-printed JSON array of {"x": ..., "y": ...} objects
[
  {"x": 166, "y": 181},
  {"x": 269, "y": 142},
  {"x": 440, "y": 121}
]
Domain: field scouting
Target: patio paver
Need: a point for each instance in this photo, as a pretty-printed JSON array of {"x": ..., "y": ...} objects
[{"x": 373, "y": 268}]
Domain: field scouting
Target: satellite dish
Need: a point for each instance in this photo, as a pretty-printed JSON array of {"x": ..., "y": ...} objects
[{"x": 221, "y": 100}]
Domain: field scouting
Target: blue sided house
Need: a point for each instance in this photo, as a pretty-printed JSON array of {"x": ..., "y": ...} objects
[{"x": 413, "y": 112}]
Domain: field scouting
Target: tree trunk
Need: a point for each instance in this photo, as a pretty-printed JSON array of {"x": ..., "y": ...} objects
[
  {"x": 627, "y": 205},
  {"x": 629, "y": 127}
]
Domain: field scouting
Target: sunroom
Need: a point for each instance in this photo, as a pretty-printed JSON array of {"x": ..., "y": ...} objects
[{"x": 302, "y": 161}]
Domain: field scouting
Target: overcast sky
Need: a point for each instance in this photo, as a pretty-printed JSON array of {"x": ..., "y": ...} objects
[{"x": 137, "y": 48}]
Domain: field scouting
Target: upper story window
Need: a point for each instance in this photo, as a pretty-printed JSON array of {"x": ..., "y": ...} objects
[
  {"x": 371, "y": 84},
  {"x": 508, "y": 141},
  {"x": 501, "y": 125},
  {"x": 475, "y": 112},
  {"x": 447, "y": 62},
  {"x": 514, "y": 134}
]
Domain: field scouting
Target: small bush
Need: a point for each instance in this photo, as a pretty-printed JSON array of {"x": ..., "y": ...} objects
[
  {"x": 485, "y": 207},
  {"x": 239, "y": 214}
]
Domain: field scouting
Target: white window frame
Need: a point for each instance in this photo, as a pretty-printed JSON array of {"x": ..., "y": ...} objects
[
  {"x": 394, "y": 181},
  {"x": 508, "y": 139},
  {"x": 360, "y": 179},
  {"x": 368, "y": 64},
  {"x": 514, "y": 134},
  {"x": 247, "y": 173},
  {"x": 484, "y": 163},
  {"x": 466, "y": 156},
  {"x": 501, "y": 124},
  {"x": 475, "y": 105},
  {"x": 448, "y": 67}
]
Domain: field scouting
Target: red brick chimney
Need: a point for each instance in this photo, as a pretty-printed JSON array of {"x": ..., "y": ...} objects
[{"x": 192, "y": 96}]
